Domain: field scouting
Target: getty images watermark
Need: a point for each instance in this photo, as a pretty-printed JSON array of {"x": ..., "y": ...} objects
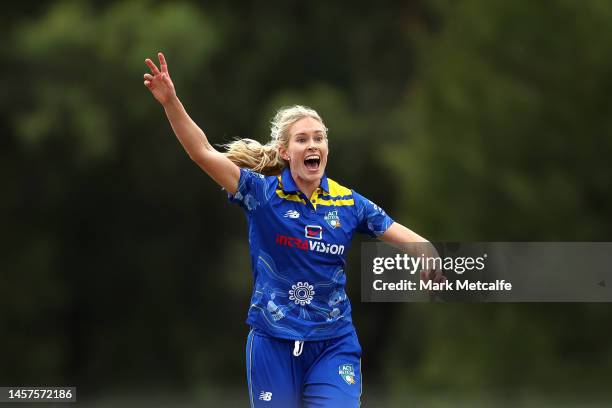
[
  {"x": 488, "y": 272},
  {"x": 414, "y": 264}
]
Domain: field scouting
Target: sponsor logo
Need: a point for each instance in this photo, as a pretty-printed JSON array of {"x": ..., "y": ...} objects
[
  {"x": 301, "y": 293},
  {"x": 307, "y": 245},
  {"x": 313, "y": 232},
  {"x": 265, "y": 396},
  {"x": 333, "y": 219},
  {"x": 292, "y": 214},
  {"x": 347, "y": 373}
]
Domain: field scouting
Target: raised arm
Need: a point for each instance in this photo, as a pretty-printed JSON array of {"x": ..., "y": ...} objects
[{"x": 193, "y": 139}]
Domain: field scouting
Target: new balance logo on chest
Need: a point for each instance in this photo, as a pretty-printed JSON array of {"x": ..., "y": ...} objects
[{"x": 292, "y": 214}]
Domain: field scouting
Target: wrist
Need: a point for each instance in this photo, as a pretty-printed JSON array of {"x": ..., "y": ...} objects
[{"x": 171, "y": 102}]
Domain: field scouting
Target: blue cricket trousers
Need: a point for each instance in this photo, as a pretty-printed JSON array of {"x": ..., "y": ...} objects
[{"x": 291, "y": 374}]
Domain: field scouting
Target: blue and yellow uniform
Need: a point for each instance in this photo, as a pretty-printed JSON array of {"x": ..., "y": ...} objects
[{"x": 299, "y": 307}]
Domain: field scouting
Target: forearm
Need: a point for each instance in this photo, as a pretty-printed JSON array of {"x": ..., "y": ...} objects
[
  {"x": 413, "y": 244},
  {"x": 191, "y": 137},
  {"x": 408, "y": 241}
]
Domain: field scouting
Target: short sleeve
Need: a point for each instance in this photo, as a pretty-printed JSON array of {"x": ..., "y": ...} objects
[
  {"x": 251, "y": 192},
  {"x": 372, "y": 220}
]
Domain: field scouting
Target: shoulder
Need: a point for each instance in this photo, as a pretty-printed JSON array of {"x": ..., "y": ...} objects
[
  {"x": 341, "y": 196},
  {"x": 248, "y": 175},
  {"x": 254, "y": 189},
  {"x": 347, "y": 196},
  {"x": 338, "y": 190}
]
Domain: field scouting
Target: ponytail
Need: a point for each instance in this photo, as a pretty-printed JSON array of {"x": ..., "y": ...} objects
[{"x": 251, "y": 154}]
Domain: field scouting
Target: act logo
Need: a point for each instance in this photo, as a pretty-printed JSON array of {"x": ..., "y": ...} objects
[
  {"x": 347, "y": 373},
  {"x": 313, "y": 232},
  {"x": 333, "y": 219}
]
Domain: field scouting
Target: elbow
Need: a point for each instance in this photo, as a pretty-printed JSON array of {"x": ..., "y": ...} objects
[{"x": 196, "y": 157}]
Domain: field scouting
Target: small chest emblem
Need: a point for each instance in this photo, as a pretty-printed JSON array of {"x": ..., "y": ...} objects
[
  {"x": 333, "y": 219},
  {"x": 347, "y": 373},
  {"x": 313, "y": 232}
]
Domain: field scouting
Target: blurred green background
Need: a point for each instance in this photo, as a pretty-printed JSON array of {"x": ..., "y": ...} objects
[{"x": 125, "y": 272}]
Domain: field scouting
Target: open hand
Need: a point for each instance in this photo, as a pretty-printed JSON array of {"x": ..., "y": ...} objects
[
  {"x": 159, "y": 83},
  {"x": 434, "y": 275}
]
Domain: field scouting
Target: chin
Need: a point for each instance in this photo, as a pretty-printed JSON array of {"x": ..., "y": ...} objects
[{"x": 312, "y": 176}]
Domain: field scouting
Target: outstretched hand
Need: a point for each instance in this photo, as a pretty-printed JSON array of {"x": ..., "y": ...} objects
[{"x": 159, "y": 82}]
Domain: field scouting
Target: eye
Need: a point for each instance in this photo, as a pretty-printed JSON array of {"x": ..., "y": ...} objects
[
  {"x": 319, "y": 139},
  {"x": 300, "y": 140}
]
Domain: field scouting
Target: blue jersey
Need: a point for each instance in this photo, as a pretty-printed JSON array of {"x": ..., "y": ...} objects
[{"x": 298, "y": 251}]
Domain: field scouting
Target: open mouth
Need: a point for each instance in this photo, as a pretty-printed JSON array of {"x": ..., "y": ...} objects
[{"x": 312, "y": 162}]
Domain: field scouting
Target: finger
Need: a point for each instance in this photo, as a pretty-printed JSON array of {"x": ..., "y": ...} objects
[
  {"x": 162, "y": 62},
  {"x": 167, "y": 80},
  {"x": 148, "y": 77},
  {"x": 152, "y": 66},
  {"x": 147, "y": 84}
]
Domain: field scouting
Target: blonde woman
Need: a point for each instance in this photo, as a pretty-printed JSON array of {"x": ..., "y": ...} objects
[{"x": 302, "y": 349}]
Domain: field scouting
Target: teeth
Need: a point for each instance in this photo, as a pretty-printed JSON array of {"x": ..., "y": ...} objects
[{"x": 312, "y": 157}]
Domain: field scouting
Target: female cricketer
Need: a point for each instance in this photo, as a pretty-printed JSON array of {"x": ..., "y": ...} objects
[{"x": 302, "y": 349}]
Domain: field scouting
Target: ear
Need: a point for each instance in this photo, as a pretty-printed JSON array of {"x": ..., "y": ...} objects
[{"x": 283, "y": 153}]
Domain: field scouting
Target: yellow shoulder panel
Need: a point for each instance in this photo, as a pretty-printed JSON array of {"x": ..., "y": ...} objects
[
  {"x": 338, "y": 195},
  {"x": 336, "y": 190}
]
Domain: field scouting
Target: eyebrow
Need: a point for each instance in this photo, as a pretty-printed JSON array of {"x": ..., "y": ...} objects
[{"x": 306, "y": 134}]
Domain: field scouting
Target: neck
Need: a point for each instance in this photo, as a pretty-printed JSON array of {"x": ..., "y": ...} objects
[{"x": 307, "y": 187}]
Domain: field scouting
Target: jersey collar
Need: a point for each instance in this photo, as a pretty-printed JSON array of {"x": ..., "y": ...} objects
[{"x": 289, "y": 185}]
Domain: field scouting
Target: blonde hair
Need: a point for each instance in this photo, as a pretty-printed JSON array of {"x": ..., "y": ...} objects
[{"x": 266, "y": 159}]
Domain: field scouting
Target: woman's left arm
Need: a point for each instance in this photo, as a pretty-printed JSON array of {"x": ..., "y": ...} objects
[{"x": 413, "y": 244}]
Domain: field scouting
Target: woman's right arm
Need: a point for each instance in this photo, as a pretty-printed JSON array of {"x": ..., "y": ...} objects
[{"x": 193, "y": 139}]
